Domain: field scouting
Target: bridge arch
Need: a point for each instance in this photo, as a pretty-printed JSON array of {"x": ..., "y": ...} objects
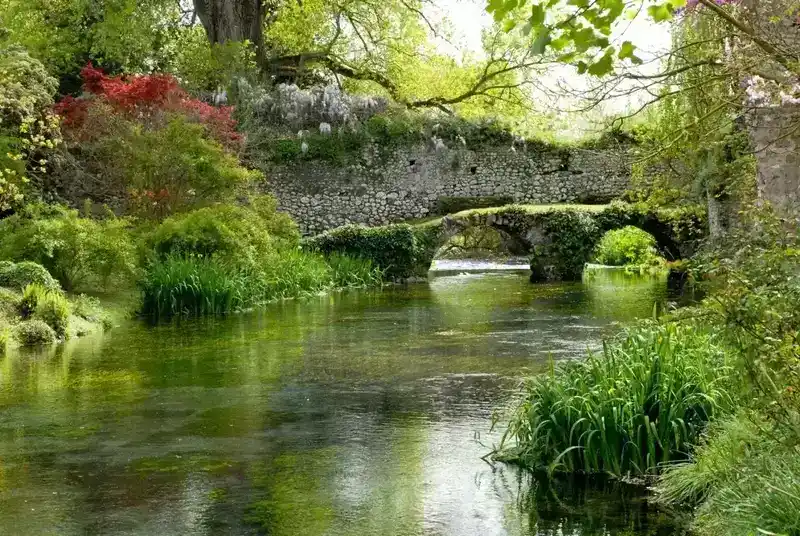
[{"x": 560, "y": 239}]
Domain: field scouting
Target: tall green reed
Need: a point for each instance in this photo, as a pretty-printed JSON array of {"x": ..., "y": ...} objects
[
  {"x": 198, "y": 286},
  {"x": 640, "y": 404}
]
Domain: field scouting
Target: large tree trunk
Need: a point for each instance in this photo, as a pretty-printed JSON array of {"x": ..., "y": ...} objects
[{"x": 233, "y": 20}]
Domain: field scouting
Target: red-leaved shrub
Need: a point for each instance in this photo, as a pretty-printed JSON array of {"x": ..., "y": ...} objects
[{"x": 146, "y": 99}]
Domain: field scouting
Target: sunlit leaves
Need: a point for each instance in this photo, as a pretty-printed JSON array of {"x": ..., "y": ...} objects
[{"x": 579, "y": 30}]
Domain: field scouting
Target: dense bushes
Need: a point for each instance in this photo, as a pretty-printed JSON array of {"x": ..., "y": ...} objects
[
  {"x": 20, "y": 275},
  {"x": 399, "y": 251},
  {"x": 225, "y": 258},
  {"x": 227, "y": 230},
  {"x": 49, "y": 306},
  {"x": 144, "y": 146},
  {"x": 629, "y": 246},
  {"x": 642, "y": 403},
  {"x": 77, "y": 251},
  {"x": 33, "y": 332}
]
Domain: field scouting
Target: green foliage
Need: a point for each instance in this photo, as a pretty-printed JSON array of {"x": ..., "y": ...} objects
[
  {"x": 353, "y": 271},
  {"x": 203, "y": 67},
  {"x": 157, "y": 171},
  {"x": 743, "y": 479},
  {"x": 579, "y": 33},
  {"x": 75, "y": 250},
  {"x": 573, "y": 235},
  {"x": 4, "y": 336},
  {"x": 629, "y": 246},
  {"x": 205, "y": 286},
  {"x": 399, "y": 251},
  {"x": 49, "y": 306},
  {"x": 191, "y": 286},
  {"x": 226, "y": 230},
  {"x": 34, "y": 332},
  {"x": 129, "y": 34},
  {"x": 19, "y": 275},
  {"x": 28, "y": 129},
  {"x": 642, "y": 403},
  {"x": 451, "y": 205}
]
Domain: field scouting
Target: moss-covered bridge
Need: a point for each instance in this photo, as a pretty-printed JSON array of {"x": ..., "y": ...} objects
[{"x": 559, "y": 239}]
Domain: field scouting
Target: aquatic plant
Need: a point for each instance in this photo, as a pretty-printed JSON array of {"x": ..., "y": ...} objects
[
  {"x": 190, "y": 285},
  {"x": 353, "y": 271},
  {"x": 642, "y": 403},
  {"x": 209, "y": 285}
]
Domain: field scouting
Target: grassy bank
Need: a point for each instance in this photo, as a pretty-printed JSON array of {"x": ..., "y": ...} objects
[
  {"x": 704, "y": 404},
  {"x": 35, "y": 311}
]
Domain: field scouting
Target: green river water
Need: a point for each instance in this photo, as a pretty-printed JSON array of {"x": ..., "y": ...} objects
[{"x": 360, "y": 413}]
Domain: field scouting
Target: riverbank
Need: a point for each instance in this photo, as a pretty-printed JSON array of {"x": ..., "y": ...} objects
[{"x": 701, "y": 402}]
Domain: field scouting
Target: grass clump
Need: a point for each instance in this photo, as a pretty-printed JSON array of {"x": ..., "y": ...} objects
[
  {"x": 34, "y": 332},
  {"x": 199, "y": 286},
  {"x": 353, "y": 271},
  {"x": 642, "y": 403},
  {"x": 743, "y": 479},
  {"x": 629, "y": 246}
]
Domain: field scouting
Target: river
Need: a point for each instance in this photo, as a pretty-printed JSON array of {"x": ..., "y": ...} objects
[{"x": 358, "y": 413}]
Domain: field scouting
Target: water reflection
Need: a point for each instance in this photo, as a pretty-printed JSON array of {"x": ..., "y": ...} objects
[{"x": 361, "y": 413}]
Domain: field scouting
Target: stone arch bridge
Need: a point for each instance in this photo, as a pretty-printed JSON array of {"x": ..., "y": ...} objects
[{"x": 559, "y": 239}]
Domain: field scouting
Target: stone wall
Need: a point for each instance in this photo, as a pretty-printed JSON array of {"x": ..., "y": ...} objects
[
  {"x": 383, "y": 186},
  {"x": 776, "y": 141}
]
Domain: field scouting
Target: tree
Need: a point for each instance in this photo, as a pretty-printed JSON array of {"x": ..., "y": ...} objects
[{"x": 743, "y": 75}]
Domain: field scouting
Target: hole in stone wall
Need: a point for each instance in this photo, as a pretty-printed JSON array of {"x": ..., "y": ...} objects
[
  {"x": 473, "y": 169},
  {"x": 412, "y": 162}
]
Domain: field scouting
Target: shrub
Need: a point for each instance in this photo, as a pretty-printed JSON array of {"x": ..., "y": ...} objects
[
  {"x": 141, "y": 144},
  {"x": 28, "y": 130},
  {"x": 75, "y": 250},
  {"x": 20, "y": 275},
  {"x": 230, "y": 231},
  {"x": 33, "y": 332},
  {"x": 628, "y": 246},
  {"x": 643, "y": 403},
  {"x": 147, "y": 98},
  {"x": 4, "y": 335},
  {"x": 397, "y": 250}
]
